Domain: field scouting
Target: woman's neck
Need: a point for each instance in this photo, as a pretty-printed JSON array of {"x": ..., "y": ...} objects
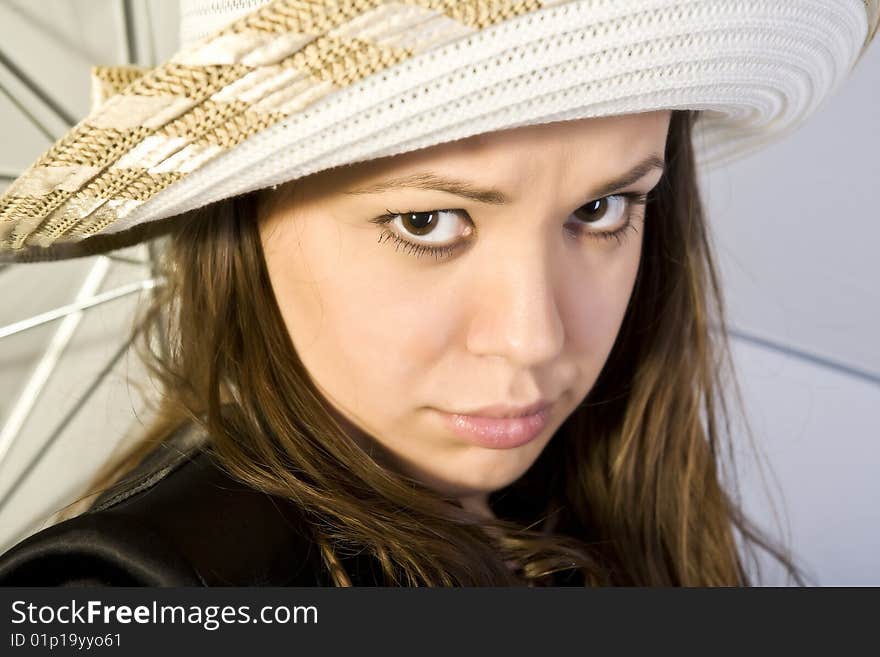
[{"x": 478, "y": 504}]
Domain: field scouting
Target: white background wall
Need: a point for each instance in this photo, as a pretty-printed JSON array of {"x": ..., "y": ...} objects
[{"x": 796, "y": 227}]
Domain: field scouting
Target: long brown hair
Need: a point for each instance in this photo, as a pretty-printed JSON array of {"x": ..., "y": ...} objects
[{"x": 629, "y": 491}]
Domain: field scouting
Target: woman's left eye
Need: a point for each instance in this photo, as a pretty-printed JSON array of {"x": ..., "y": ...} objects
[{"x": 447, "y": 239}]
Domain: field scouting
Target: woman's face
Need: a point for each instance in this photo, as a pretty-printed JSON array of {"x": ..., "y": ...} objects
[{"x": 525, "y": 306}]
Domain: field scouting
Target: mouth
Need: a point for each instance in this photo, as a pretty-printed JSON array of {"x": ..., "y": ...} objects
[
  {"x": 501, "y": 432},
  {"x": 505, "y": 411}
]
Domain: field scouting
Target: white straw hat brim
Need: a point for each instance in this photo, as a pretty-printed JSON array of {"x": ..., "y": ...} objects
[{"x": 757, "y": 68}]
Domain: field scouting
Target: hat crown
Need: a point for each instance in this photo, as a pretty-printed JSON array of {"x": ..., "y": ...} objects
[{"x": 199, "y": 18}]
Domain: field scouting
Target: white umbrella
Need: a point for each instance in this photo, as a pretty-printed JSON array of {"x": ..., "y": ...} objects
[{"x": 64, "y": 351}]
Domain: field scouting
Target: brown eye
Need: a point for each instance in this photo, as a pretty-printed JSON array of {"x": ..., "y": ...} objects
[
  {"x": 443, "y": 229},
  {"x": 605, "y": 212},
  {"x": 597, "y": 207},
  {"x": 440, "y": 227},
  {"x": 419, "y": 223}
]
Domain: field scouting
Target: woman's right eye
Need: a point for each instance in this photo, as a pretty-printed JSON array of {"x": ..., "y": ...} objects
[{"x": 439, "y": 225}]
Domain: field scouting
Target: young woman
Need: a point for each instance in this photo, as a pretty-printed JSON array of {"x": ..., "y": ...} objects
[{"x": 496, "y": 358}]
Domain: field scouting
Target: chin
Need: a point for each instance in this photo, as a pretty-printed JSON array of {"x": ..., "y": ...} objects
[{"x": 484, "y": 477}]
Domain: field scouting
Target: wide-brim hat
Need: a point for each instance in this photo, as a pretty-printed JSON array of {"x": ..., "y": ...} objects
[{"x": 262, "y": 92}]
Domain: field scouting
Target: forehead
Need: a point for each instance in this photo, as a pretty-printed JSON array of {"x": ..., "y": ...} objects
[{"x": 564, "y": 151}]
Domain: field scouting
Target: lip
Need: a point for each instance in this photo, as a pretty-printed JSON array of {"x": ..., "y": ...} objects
[
  {"x": 502, "y": 411},
  {"x": 499, "y": 432}
]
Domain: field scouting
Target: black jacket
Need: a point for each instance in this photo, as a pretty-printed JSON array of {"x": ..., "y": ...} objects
[{"x": 180, "y": 522}]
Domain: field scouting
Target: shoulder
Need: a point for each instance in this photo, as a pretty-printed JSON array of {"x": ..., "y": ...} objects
[{"x": 179, "y": 521}]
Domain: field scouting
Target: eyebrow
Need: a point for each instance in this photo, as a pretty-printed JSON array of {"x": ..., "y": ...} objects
[{"x": 491, "y": 196}]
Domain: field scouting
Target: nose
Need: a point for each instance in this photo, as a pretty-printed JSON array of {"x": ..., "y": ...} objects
[{"x": 515, "y": 310}]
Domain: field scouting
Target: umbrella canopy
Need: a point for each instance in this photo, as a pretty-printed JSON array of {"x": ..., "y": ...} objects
[{"x": 69, "y": 383}]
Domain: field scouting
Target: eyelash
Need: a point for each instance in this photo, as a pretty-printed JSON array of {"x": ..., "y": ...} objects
[{"x": 442, "y": 252}]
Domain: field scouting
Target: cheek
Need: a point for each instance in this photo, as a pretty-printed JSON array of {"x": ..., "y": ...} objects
[
  {"x": 596, "y": 303},
  {"x": 360, "y": 341}
]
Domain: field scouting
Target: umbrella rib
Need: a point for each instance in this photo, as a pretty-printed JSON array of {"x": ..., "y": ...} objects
[
  {"x": 38, "y": 91},
  {"x": 151, "y": 39},
  {"x": 127, "y": 260},
  {"x": 821, "y": 361},
  {"x": 64, "y": 423},
  {"x": 76, "y": 306},
  {"x": 28, "y": 114},
  {"x": 23, "y": 406},
  {"x": 128, "y": 21}
]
